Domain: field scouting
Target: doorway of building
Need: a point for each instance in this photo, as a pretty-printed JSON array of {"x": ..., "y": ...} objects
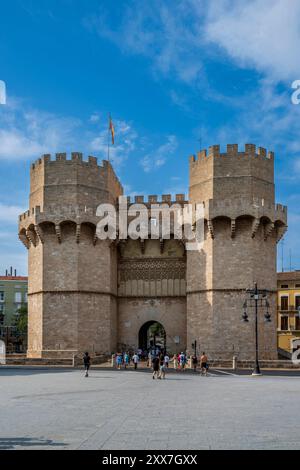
[{"x": 152, "y": 335}]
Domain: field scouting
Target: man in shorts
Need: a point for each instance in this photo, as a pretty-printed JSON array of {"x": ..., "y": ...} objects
[
  {"x": 203, "y": 364},
  {"x": 86, "y": 363},
  {"x": 155, "y": 367}
]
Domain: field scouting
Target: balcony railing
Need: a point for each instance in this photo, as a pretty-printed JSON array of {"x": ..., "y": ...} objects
[{"x": 290, "y": 308}]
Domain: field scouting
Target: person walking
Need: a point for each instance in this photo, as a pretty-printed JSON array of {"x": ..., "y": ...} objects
[
  {"x": 86, "y": 363},
  {"x": 126, "y": 360},
  {"x": 194, "y": 362},
  {"x": 155, "y": 367},
  {"x": 135, "y": 359},
  {"x": 149, "y": 360},
  {"x": 203, "y": 364},
  {"x": 162, "y": 367},
  {"x": 182, "y": 361},
  {"x": 119, "y": 360},
  {"x": 166, "y": 360}
]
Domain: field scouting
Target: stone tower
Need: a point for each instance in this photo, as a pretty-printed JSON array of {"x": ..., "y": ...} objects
[
  {"x": 98, "y": 295},
  {"x": 242, "y": 226},
  {"x": 72, "y": 275}
]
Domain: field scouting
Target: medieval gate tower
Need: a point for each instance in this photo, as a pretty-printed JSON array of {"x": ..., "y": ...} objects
[{"x": 102, "y": 295}]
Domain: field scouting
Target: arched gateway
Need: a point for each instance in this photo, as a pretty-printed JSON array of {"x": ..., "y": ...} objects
[
  {"x": 151, "y": 289},
  {"x": 152, "y": 335}
]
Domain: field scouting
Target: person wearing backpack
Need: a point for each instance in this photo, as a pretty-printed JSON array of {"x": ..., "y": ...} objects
[
  {"x": 155, "y": 367},
  {"x": 86, "y": 363}
]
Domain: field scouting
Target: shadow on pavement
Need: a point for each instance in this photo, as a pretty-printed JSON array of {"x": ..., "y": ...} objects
[
  {"x": 10, "y": 443},
  {"x": 11, "y": 371}
]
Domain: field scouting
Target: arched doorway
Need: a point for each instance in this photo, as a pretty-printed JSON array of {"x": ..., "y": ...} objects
[{"x": 152, "y": 335}]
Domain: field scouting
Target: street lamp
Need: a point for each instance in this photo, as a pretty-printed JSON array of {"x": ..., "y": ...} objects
[{"x": 254, "y": 298}]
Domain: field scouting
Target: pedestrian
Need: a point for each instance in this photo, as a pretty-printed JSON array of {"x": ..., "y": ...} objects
[
  {"x": 203, "y": 364},
  {"x": 119, "y": 360},
  {"x": 194, "y": 362},
  {"x": 182, "y": 361},
  {"x": 155, "y": 367},
  {"x": 135, "y": 359},
  {"x": 126, "y": 360},
  {"x": 166, "y": 360},
  {"x": 149, "y": 361},
  {"x": 162, "y": 367},
  {"x": 86, "y": 363}
]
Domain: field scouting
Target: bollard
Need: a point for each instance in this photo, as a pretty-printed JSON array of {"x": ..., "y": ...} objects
[
  {"x": 234, "y": 362},
  {"x": 113, "y": 360}
]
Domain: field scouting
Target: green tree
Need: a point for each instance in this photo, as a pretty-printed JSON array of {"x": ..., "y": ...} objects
[
  {"x": 156, "y": 331},
  {"x": 21, "y": 320}
]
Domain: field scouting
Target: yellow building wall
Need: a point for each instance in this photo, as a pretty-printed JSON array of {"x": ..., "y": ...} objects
[{"x": 285, "y": 338}]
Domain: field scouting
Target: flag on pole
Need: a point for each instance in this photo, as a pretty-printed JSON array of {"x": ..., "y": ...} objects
[{"x": 112, "y": 130}]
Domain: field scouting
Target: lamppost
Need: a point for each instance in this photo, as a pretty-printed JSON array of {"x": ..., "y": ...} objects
[
  {"x": 256, "y": 297},
  {"x": 194, "y": 346}
]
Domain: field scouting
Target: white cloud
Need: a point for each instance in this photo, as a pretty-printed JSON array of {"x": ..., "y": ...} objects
[
  {"x": 164, "y": 31},
  {"x": 158, "y": 157},
  {"x": 94, "y": 118},
  {"x": 27, "y": 133},
  {"x": 10, "y": 213},
  {"x": 263, "y": 34},
  {"x": 178, "y": 36},
  {"x": 297, "y": 166}
]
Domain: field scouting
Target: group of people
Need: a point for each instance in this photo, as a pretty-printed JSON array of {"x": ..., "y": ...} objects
[
  {"x": 124, "y": 359},
  {"x": 158, "y": 360}
]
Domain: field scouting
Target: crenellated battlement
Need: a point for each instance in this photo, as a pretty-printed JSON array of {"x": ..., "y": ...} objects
[
  {"x": 158, "y": 199},
  {"x": 76, "y": 161},
  {"x": 242, "y": 206},
  {"x": 250, "y": 150},
  {"x": 76, "y": 157},
  {"x": 72, "y": 181},
  {"x": 221, "y": 175}
]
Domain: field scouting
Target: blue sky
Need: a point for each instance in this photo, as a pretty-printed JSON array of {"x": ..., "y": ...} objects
[{"x": 170, "y": 73}]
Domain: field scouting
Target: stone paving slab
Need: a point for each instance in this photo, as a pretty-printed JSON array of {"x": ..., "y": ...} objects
[{"x": 60, "y": 409}]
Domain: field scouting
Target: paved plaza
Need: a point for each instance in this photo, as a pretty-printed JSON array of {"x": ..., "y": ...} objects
[{"x": 60, "y": 409}]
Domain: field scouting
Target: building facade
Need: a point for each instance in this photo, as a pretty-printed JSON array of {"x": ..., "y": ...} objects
[
  {"x": 288, "y": 311},
  {"x": 103, "y": 295},
  {"x": 13, "y": 295}
]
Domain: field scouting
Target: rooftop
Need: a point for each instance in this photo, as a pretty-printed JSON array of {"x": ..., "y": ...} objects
[{"x": 289, "y": 276}]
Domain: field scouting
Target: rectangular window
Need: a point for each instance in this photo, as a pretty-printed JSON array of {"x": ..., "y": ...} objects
[
  {"x": 2, "y": 296},
  {"x": 284, "y": 286},
  {"x": 18, "y": 297},
  {"x": 284, "y": 323},
  {"x": 297, "y": 323},
  {"x": 284, "y": 302},
  {"x": 25, "y": 297},
  {"x": 1, "y": 308},
  {"x": 297, "y": 302},
  {"x": 297, "y": 285}
]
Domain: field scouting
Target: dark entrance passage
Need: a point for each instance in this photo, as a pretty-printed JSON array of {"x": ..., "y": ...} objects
[{"x": 152, "y": 335}]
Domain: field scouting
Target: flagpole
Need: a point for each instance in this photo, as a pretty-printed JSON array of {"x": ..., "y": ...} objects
[{"x": 108, "y": 136}]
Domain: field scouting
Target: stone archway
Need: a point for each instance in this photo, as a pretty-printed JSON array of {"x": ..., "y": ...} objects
[{"x": 152, "y": 334}]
